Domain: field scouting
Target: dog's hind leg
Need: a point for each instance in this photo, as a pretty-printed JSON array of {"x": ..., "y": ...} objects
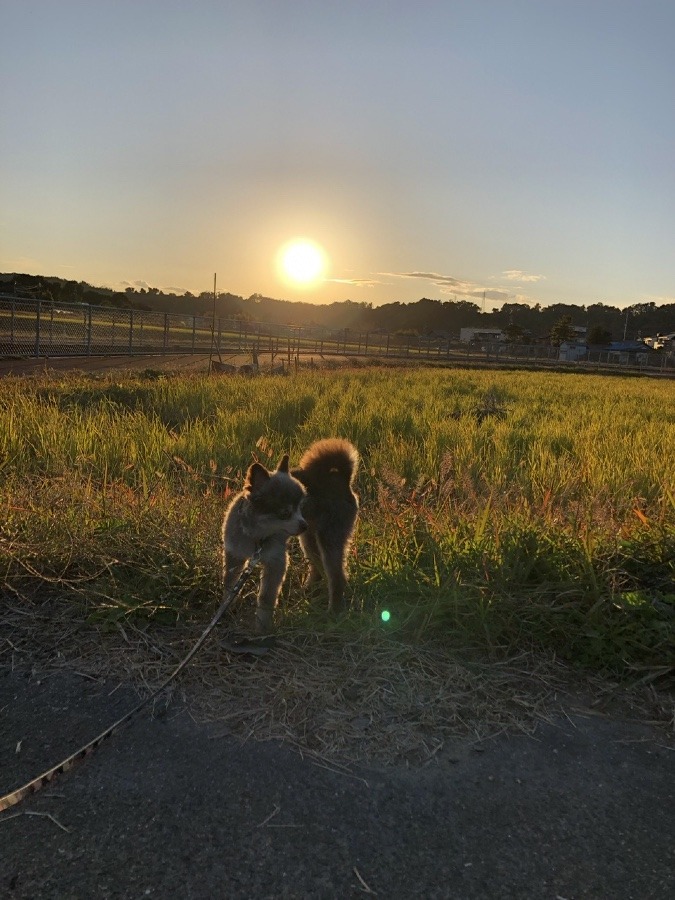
[
  {"x": 311, "y": 550},
  {"x": 334, "y": 566}
]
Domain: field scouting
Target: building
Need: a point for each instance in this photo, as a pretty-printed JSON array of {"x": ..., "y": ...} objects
[
  {"x": 572, "y": 351},
  {"x": 629, "y": 352},
  {"x": 480, "y": 335}
]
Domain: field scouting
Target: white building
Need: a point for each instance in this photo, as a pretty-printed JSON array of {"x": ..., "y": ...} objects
[{"x": 571, "y": 351}]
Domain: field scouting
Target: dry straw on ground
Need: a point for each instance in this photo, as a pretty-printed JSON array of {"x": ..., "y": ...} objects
[{"x": 340, "y": 699}]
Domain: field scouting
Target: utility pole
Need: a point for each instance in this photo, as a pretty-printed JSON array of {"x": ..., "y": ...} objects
[{"x": 213, "y": 324}]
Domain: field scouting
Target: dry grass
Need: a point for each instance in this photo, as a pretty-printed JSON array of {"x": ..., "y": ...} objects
[{"x": 339, "y": 699}]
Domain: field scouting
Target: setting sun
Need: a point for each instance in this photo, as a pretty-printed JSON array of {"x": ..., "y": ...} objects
[{"x": 302, "y": 262}]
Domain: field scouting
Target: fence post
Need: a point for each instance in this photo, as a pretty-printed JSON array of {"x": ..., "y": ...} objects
[
  {"x": 37, "y": 329},
  {"x": 131, "y": 331},
  {"x": 88, "y": 327},
  {"x": 194, "y": 330},
  {"x": 166, "y": 333}
]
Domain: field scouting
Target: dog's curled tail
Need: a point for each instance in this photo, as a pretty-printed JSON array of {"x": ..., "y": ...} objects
[{"x": 331, "y": 456}]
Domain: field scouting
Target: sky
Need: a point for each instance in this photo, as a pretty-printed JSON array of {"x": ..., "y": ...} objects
[{"x": 485, "y": 150}]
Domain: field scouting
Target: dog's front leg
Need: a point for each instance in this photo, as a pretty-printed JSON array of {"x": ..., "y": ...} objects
[
  {"x": 274, "y": 561},
  {"x": 233, "y": 566}
]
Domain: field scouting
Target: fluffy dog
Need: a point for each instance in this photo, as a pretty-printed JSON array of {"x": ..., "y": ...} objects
[
  {"x": 315, "y": 502},
  {"x": 327, "y": 471}
]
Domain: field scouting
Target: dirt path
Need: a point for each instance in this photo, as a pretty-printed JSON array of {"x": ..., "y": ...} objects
[
  {"x": 178, "y": 363},
  {"x": 169, "y": 808},
  {"x": 98, "y": 364}
]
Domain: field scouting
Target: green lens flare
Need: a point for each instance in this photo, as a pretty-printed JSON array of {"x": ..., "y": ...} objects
[{"x": 385, "y": 615}]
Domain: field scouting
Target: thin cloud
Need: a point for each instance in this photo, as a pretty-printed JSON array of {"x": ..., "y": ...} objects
[
  {"x": 140, "y": 284},
  {"x": 435, "y": 277},
  {"x": 176, "y": 290},
  {"x": 359, "y": 282},
  {"x": 449, "y": 285},
  {"x": 136, "y": 285},
  {"x": 519, "y": 275}
]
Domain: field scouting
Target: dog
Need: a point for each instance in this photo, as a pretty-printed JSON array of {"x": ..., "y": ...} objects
[{"x": 314, "y": 502}]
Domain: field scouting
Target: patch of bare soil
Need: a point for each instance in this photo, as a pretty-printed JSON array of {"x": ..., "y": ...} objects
[
  {"x": 172, "y": 364},
  {"x": 101, "y": 364}
]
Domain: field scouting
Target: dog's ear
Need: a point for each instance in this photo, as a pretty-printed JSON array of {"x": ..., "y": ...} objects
[
  {"x": 283, "y": 463},
  {"x": 256, "y": 477}
]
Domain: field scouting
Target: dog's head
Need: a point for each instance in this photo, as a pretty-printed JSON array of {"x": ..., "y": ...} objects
[{"x": 275, "y": 499}]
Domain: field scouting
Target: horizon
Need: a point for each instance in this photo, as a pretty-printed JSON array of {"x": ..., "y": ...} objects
[
  {"x": 450, "y": 151},
  {"x": 146, "y": 290}
]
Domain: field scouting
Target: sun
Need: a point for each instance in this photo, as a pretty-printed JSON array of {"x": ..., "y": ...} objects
[{"x": 302, "y": 262}]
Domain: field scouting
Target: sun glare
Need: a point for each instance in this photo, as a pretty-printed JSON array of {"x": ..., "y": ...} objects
[{"x": 302, "y": 262}]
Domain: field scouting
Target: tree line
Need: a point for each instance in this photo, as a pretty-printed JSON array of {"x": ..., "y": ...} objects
[{"x": 521, "y": 322}]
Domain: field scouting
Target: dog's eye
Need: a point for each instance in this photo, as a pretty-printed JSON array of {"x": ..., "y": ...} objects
[{"x": 286, "y": 513}]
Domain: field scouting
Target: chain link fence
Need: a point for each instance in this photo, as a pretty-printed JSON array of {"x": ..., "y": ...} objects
[{"x": 38, "y": 328}]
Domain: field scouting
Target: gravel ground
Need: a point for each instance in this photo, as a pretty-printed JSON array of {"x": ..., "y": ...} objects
[{"x": 169, "y": 808}]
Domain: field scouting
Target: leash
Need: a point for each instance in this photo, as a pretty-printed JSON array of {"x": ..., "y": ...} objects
[{"x": 15, "y": 797}]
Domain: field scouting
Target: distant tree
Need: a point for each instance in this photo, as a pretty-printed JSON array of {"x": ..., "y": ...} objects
[
  {"x": 423, "y": 316},
  {"x": 597, "y": 335},
  {"x": 562, "y": 331},
  {"x": 515, "y": 314},
  {"x": 70, "y": 292},
  {"x": 514, "y": 333}
]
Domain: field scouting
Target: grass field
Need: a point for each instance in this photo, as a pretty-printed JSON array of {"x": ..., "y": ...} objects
[{"x": 501, "y": 511}]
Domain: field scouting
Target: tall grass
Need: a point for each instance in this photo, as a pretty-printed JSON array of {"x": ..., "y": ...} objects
[{"x": 499, "y": 509}]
